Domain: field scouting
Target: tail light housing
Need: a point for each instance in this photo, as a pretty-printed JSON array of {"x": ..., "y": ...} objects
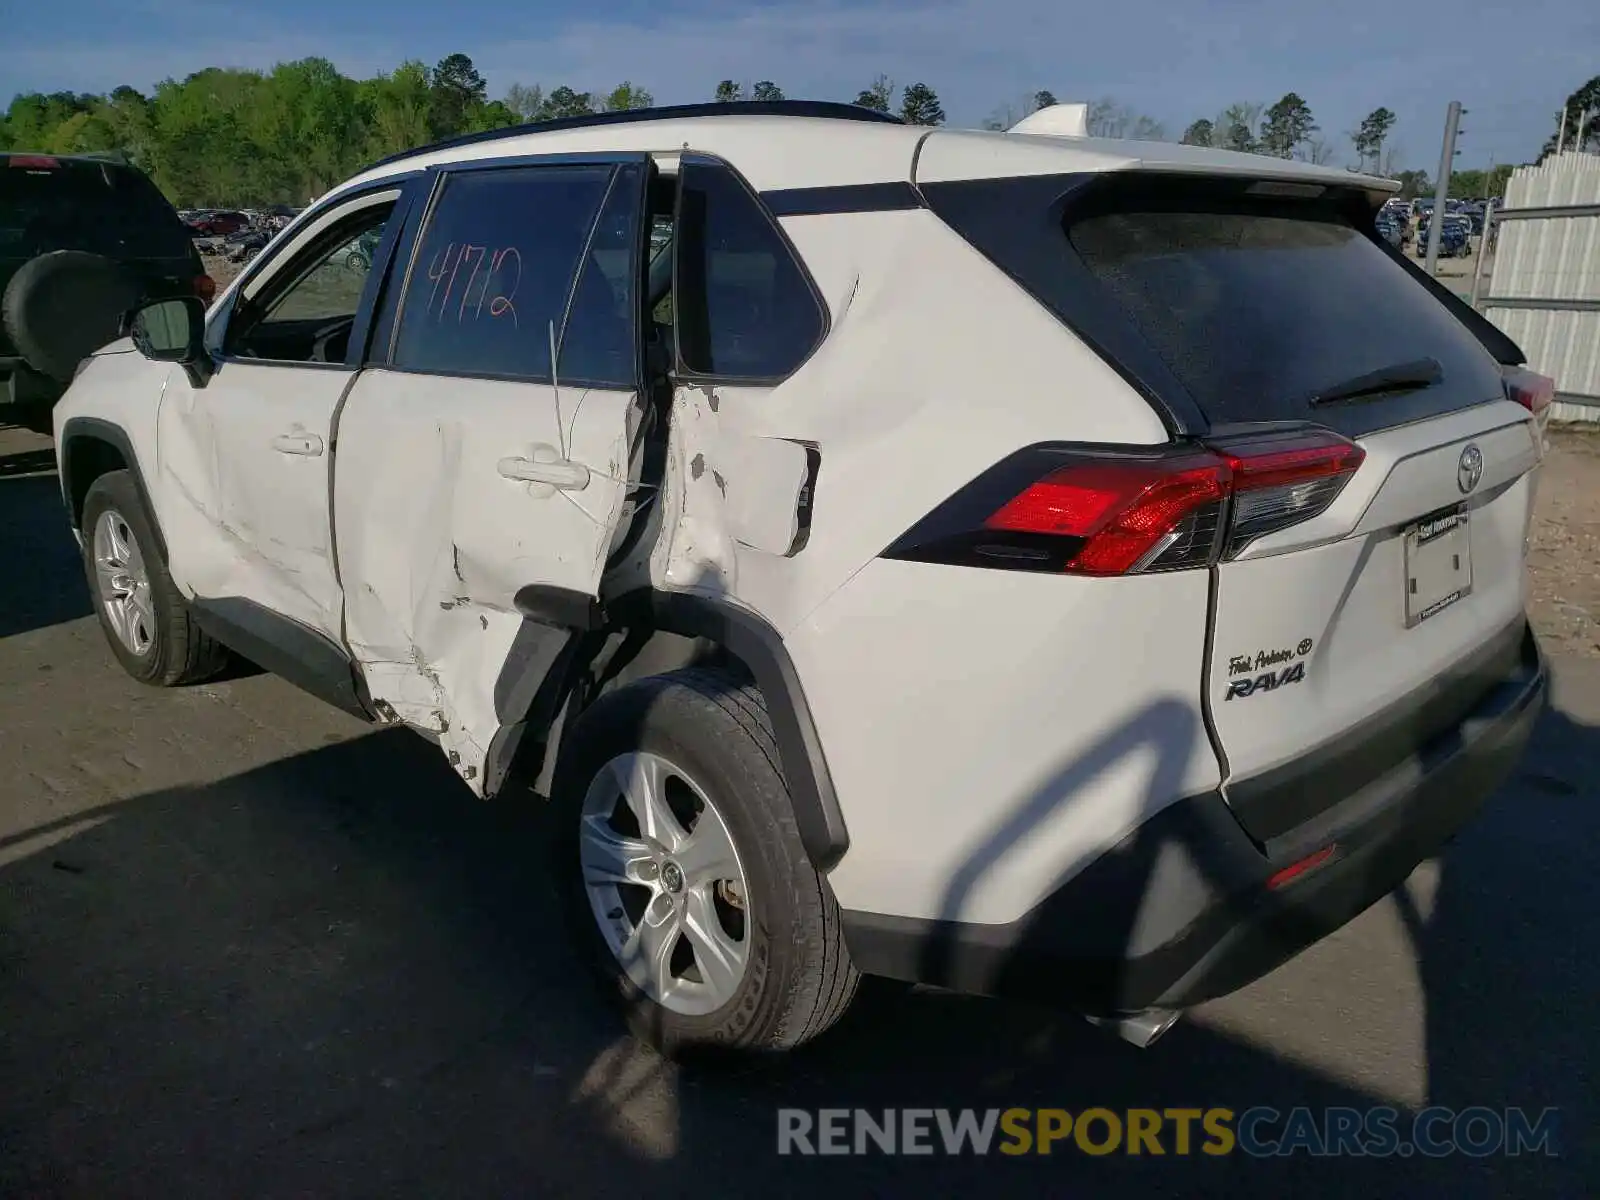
[
  {"x": 1535, "y": 392},
  {"x": 1116, "y": 511},
  {"x": 205, "y": 287}
]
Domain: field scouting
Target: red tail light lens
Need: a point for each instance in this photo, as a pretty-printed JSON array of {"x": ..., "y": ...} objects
[
  {"x": 1126, "y": 512},
  {"x": 1533, "y": 391},
  {"x": 1122, "y": 513},
  {"x": 205, "y": 287}
]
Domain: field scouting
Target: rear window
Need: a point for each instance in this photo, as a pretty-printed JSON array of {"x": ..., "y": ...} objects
[
  {"x": 1256, "y": 312},
  {"x": 98, "y": 207},
  {"x": 1222, "y": 306}
]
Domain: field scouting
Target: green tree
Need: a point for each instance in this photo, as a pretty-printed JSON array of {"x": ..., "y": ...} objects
[
  {"x": 1414, "y": 184},
  {"x": 627, "y": 96},
  {"x": 767, "y": 91},
  {"x": 1581, "y": 111},
  {"x": 1369, "y": 138},
  {"x": 458, "y": 90},
  {"x": 919, "y": 105},
  {"x": 1199, "y": 133},
  {"x": 564, "y": 102},
  {"x": 729, "y": 91},
  {"x": 879, "y": 96},
  {"x": 526, "y": 102},
  {"x": 1043, "y": 98},
  {"x": 1286, "y": 127}
]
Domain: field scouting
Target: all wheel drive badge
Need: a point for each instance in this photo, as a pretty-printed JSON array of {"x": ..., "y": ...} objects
[{"x": 1470, "y": 469}]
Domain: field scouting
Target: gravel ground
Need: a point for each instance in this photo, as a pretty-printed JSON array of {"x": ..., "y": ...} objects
[
  {"x": 1564, "y": 559},
  {"x": 250, "y": 947}
]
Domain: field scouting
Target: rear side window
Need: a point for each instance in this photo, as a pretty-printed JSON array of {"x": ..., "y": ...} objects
[
  {"x": 1258, "y": 311},
  {"x": 743, "y": 306},
  {"x": 495, "y": 269},
  {"x": 59, "y": 204}
]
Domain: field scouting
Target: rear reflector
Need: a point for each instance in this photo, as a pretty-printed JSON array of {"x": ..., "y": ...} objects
[
  {"x": 1125, "y": 511},
  {"x": 205, "y": 287},
  {"x": 1294, "y": 870}
]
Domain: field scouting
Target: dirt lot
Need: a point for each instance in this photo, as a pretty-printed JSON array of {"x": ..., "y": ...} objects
[{"x": 250, "y": 947}]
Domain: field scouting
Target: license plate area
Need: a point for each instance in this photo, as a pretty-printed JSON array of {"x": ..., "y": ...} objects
[{"x": 1438, "y": 565}]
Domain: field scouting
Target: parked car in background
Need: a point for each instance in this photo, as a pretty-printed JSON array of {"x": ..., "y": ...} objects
[
  {"x": 1391, "y": 228},
  {"x": 219, "y": 223},
  {"x": 82, "y": 240},
  {"x": 1455, "y": 237}
]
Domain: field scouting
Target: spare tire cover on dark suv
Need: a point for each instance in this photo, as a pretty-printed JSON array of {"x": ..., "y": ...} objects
[{"x": 61, "y": 307}]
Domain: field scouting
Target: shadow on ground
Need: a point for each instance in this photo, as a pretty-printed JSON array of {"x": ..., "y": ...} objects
[
  {"x": 340, "y": 975},
  {"x": 43, "y": 582}
]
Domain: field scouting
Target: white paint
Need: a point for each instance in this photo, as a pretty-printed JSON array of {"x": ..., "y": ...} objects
[
  {"x": 1347, "y": 595},
  {"x": 435, "y": 541}
]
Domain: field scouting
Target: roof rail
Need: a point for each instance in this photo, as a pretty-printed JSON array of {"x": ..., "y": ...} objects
[{"x": 823, "y": 109}]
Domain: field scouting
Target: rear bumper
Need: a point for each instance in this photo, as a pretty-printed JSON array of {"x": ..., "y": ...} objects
[{"x": 1183, "y": 910}]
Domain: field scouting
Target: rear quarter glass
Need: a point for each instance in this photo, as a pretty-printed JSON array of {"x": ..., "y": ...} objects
[{"x": 1234, "y": 307}]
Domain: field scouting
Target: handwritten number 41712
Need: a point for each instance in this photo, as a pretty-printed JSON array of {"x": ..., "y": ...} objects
[{"x": 466, "y": 264}]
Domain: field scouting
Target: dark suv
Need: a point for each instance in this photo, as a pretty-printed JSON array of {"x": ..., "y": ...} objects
[{"x": 82, "y": 240}]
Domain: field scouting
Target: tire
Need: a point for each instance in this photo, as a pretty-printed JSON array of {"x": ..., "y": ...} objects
[
  {"x": 169, "y": 648},
  {"x": 61, "y": 307},
  {"x": 711, "y": 728}
]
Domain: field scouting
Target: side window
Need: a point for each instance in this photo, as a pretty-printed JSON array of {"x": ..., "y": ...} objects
[
  {"x": 307, "y": 309},
  {"x": 599, "y": 345},
  {"x": 494, "y": 270},
  {"x": 743, "y": 306}
]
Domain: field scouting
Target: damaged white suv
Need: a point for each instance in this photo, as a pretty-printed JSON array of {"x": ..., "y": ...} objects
[{"x": 1016, "y": 562}]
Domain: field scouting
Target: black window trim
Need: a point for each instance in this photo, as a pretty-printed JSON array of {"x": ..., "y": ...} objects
[
  {"x": 682, "y": 374},
  {"x": 218, "y": 322},
  {"x": 388, "y": 320}
]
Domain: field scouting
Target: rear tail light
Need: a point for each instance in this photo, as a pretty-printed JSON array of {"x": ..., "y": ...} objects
[
  {"x": 33, "y": 162},
  {"x": 1121, "y": 512},
  {"x": 1533, "y": 391},
  {"x": 205, "y": 287}
]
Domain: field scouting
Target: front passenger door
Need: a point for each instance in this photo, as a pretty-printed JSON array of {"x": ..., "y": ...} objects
[{"x": 248, "y": 454}]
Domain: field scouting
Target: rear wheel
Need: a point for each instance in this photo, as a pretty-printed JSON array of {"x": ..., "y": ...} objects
[
  {"x": 140, "y": 608},
  {"x": 684, "y": 873}
]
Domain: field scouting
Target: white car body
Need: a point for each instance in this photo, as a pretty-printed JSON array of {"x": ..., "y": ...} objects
[{"x": 967, "y": 742}]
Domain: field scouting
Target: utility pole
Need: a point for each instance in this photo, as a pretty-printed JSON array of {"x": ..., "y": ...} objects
[{"x": 1441, "y": 189}]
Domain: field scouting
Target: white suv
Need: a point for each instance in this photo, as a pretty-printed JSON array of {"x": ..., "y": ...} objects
[{"x": 1021, "y": 563}]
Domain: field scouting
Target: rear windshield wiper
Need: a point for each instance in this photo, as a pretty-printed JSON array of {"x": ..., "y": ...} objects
[{"x": 1400, "y": 377}]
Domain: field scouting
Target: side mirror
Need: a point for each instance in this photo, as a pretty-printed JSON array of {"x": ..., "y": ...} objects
[{"x": 173, "y": 331}]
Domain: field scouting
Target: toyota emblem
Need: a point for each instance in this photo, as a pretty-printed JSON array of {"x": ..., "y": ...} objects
[{"x": 1470, "y": 469}]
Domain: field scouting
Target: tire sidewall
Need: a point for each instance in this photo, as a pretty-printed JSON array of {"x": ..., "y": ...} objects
[
  {"x": 116, "y": 490},
  {"x": 676, "y": 723}
]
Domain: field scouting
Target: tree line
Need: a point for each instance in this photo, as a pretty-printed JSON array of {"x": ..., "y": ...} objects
[{"x": 227, "y": 136}]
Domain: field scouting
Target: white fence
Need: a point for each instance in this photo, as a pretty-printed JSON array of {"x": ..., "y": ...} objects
[{"x": 1545, "y": 289}]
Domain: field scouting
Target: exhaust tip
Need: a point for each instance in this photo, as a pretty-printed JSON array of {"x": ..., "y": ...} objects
[{"x": 1139, "y": 1029}]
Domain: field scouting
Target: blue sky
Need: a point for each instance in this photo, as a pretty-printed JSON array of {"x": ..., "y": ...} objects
[{"x": 1511, "y": 65}]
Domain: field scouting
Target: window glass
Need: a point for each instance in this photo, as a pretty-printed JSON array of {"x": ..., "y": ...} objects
[
  {"x": 743, "y": 306},
  {"x": 306, "y": 311},
  {"x": 599, "y": 345},
  {"x": 494, "y": 270}
]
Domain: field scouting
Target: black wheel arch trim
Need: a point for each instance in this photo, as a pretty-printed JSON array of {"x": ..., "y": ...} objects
[
  {"x": 562, "y": 638},
  {"x": 85, "y": 428},
  {"x": 760, "y": 647}
]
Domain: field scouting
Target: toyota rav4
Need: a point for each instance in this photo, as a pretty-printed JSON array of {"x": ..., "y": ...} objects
[{"x": 1017, "y": 562}]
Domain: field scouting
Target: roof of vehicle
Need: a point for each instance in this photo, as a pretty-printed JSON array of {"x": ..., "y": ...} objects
[{"x": 793, "y": 144}]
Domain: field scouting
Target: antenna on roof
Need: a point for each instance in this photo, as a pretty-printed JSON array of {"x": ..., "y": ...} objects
[{"x": 1056, "y": 120}]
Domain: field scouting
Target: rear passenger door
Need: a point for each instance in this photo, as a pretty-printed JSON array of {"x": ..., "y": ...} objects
[{"x": 485, "y": 455}]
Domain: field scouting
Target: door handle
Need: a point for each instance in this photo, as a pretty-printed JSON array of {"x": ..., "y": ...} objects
[
  {"x": 308, "y": 444},
  {"x": 564, "y": 474}
]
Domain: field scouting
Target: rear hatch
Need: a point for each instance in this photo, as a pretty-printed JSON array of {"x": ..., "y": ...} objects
[
  {"x": 49, "y": 203},
  {"x": 1368, "y": 588}
]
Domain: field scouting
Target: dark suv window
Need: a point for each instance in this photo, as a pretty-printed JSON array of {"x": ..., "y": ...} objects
[
  {"x": 69, "y": 204},
  {"x": 743, "y": 306},
  {"x": 495, "y": 269}
]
